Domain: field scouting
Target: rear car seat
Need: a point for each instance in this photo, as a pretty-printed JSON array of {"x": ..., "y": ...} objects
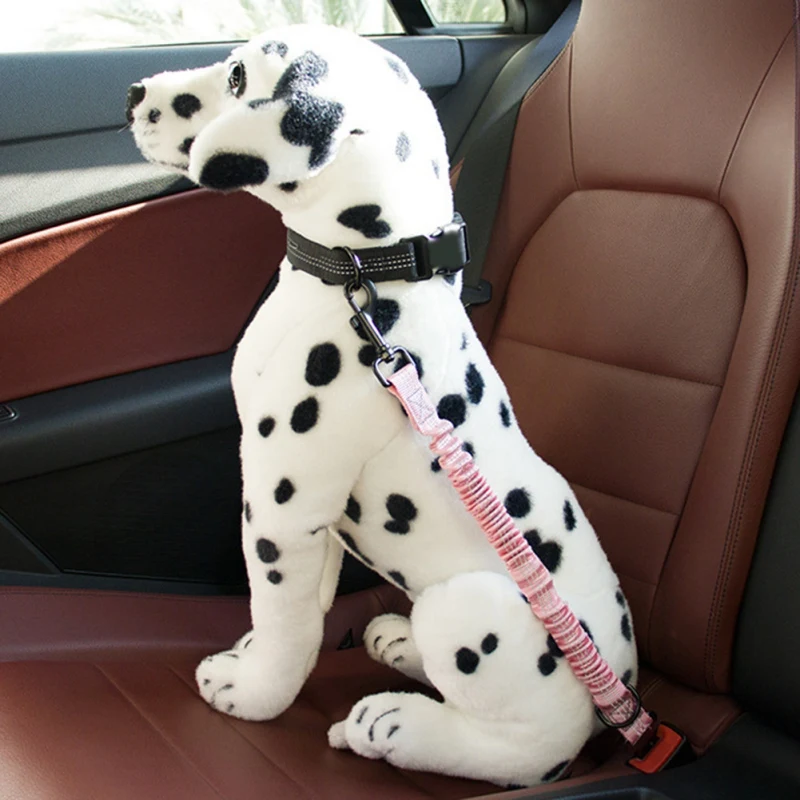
[{"x": 644, "y": 264}]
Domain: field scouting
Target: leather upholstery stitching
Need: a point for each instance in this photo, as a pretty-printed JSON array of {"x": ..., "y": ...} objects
[
  {"x": 624, "y": 499},
  {"x": 745, "y": 475},
  {"x": 749, "y": 110},
  {"x": 170, "y": 743},
  {"x": 733, "y": 534},
  {"x": 569, "y": 122},
  {"x": 607, "y": 363}
]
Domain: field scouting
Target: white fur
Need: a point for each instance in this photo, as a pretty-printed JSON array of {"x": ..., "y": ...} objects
[{"x": 504, "y": 721}]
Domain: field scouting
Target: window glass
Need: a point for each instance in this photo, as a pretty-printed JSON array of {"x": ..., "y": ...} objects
[
  {"x": 85, "y": 24},
  {"x": 467, "y": 10}
]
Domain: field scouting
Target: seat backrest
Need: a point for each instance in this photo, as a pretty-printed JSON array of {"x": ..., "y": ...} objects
[{"x": 644, "y": 261}]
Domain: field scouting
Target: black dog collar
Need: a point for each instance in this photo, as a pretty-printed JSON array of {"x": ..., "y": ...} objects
[{"x": 417, "y": 258}]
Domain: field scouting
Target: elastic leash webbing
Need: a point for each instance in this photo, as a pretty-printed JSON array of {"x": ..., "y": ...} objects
[{"x": 617, "y": 703}]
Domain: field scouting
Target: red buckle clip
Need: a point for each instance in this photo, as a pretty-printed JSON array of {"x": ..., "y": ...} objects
[{"x": 669, "y": 748}]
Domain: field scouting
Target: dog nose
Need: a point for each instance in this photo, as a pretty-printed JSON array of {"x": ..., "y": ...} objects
[
  {"x": 226, "y": 172},
  {"x": 136, "y": 94}
]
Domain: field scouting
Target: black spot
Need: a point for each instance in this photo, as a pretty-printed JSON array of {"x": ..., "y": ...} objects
[
  {"x": 400, "y": 507},
  {"x": 184, "y": 105},
  {"x": 275, "y": 47},
  {"x": 186, "y": 145},
  {"x": 248, "y": 512},
  {"x": 468, "y": 448},
  {"x": 393, "y": 730},
  {"x": 552, "y": 648},
  {"x": 524, "y": 599},
  {"x": 398, "y": 578},
  {"x": 467, "y": 660},
  {"x": 154, "y": 115},
  {"x": 364, "y": 219},
  {"x": 625, "y": 627},
  {"x": 288, "y": 187},
  {"x": 555, "y": 771},
  {"x": 273, "y": 576},
  {"x": 569, "y": 516},
  {"x": 620, "y": 598},
  {"x": 397, "y": 68},
  {"x": 547, "y": 664},
  {"x": 350, "y": 542},
  {"x": 403, "y": 147},
  {"x": 266, "y": 426},
  {"x": 136, "y": 93},
  {"x": 311, "y": 122},
  {"x": 401, "y": 362},
  {"x": 304, "y": 72},
  {"x": 549, "y": 553},
  {"x": 435, "y": 465},
  {"x": 284, "y": 491},
  {"x": 305, "y": 415},
  {"x": 357, "y": 132},
  {"x": 626, "y": 676},
  {"x": 361, "y": 714},
  {"x": 402, "y": 511},
  {"x": 385, "y": 314},
  {"x": 475, "y": 384},
  {"x": 453, "y": 407},
  {"x": 353, "y": 509},
  {"x": 435, "y": 165},
  {"x": 323, "y": 364},
  {"x": 586, "y": 628},
  {"x": 228, "y": 171},
  {"x": 489, "y": 643},
  {"x": 463, "y": 341},
  {"x": 267, "y": 551},
  {"x": 518, "y": 503},
  {"x": 367, "y": 355},
  {"x": 505, "y": 415},
  {"x": 397, "y": 526}
]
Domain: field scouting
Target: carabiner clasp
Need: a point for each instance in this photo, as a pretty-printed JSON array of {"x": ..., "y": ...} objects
[{"x": 362, "y": 321}]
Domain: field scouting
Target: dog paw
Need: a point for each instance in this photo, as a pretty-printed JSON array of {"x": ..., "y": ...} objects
[
  {"x": 373, "y": 727},
  {"x": 388, "y": 640},
  {"x": 243, "y": 683}
]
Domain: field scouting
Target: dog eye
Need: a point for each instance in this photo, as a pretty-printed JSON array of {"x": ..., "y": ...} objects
[{"x": 236, "y": 78}]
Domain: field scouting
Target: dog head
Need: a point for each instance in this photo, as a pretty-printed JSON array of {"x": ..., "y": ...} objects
[{"x": 327, "y": 127}]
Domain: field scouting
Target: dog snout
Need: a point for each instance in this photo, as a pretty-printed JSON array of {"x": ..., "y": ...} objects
[
  {"x": 226, "y": 172},
  {"x": 136, "y": 94}
]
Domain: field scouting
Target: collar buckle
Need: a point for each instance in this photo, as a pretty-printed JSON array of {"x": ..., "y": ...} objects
[{"x": 443, "y": 252}]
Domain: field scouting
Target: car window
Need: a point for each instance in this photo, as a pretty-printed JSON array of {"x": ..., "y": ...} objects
[
  {"x": 38, "y": 25},
  {"x": 454, "y": 11}
]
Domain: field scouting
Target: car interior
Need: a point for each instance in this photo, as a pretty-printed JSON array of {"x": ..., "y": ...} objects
[{"x": 643, "y": 263}]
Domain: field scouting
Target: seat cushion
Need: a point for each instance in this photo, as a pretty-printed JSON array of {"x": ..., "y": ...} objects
[{"x": 77, "y": 730}]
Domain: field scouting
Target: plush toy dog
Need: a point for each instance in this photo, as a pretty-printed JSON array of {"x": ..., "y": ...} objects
[{"x": 335, "y": 133}]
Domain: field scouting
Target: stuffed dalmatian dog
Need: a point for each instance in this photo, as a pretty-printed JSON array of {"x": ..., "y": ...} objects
[{"x": 335, "y": 133}]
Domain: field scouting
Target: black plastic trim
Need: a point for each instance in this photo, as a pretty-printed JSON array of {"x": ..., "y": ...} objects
[{"x": 126, "y": 413}]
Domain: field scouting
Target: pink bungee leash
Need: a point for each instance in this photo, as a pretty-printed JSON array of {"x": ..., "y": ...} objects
[{"x": 618, "y": 705}]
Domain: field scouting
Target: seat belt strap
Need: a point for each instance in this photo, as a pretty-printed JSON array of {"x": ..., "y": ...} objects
[{"x": 487, "y": 145}]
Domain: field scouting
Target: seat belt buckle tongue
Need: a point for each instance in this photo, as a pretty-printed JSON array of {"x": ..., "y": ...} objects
[{"x": 669, "y": 747}]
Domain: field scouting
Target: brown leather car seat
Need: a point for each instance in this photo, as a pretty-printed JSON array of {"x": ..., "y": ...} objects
[{"x": 644, "y": 265}]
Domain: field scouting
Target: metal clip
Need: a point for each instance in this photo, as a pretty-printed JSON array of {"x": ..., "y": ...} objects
[{"x": 362, "y": 320}]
